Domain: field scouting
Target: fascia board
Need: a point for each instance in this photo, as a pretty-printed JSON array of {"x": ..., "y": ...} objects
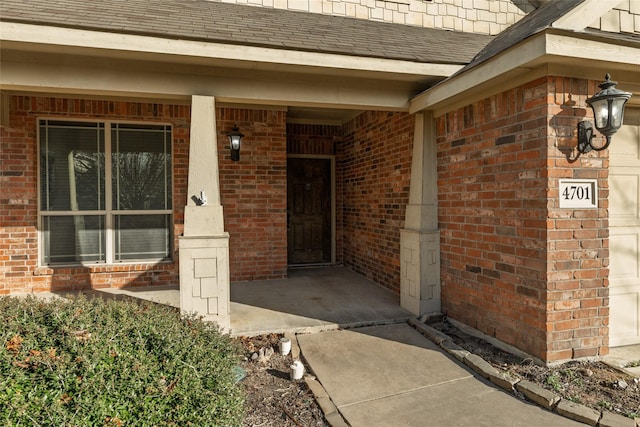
[
  {"x": 595, "y": 50},
  {"x": 242, "y": 87},
  {"x": 176, "y": 50},
  {"x": 503, "y": 70},
  {"x": 479, "y": 75}
]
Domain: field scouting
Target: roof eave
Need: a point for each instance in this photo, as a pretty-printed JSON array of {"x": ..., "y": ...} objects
[
  {"x": 33, "y": 38},
  {"x": 549, "y": 52}
]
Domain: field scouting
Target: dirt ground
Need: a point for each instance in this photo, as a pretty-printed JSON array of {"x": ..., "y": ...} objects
[
  {"x": 273, "y": 399},
  {"x": 593, "y": 384}
]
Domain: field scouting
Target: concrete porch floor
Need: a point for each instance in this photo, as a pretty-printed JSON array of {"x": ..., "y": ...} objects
[{"x": 309, "y": 300}]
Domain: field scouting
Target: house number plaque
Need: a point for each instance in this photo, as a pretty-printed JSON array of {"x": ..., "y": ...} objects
[{"x": 578, "y": 193}]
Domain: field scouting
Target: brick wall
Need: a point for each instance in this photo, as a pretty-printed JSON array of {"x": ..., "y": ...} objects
[
  {"x": 313, "y": 139},
  {"x": 254, "y": 193},
  {"x": 376, "y": 161},
  {"x": 19, "y": 271},
  {"x": 515, "y": 265}
]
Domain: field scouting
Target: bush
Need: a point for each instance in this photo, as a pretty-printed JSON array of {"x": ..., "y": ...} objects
[{"x": 94, "y": 362}]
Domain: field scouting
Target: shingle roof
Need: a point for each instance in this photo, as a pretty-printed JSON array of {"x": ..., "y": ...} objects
[{"x": 248, "y": 25}]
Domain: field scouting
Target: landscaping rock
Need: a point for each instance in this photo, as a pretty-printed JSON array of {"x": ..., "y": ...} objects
[
  {"x": 331, "y": 413},
  {"x": 578, "y": 412},
  {"x": 431, "y": 333},
  {"x": 622, "y": 384},
  {"x": 455, "y": 350},
  {"x": 609, "y": 419},
  {"x": 504, "y": 381},
  {"x": 537, "y": 394},
  {"x": 295, "y": 348},
  {"x": 336, "y": 420},
  {"x": 479, "y": 365}
]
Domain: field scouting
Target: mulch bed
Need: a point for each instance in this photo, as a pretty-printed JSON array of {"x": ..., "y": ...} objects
[
  {"x": 273, "y": 399},
  {"x": 590, "y": 383}
]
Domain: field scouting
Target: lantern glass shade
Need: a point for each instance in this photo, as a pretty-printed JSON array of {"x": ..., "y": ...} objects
[
  {"x": 234, "y": 140},
  {"x": 617, "y": 112},
  {"x": 608, "y": 107},
  {"x": 601, "y": 113}
]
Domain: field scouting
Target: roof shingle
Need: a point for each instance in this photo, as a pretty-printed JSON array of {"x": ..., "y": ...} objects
[{"x": 217, "y": 22}]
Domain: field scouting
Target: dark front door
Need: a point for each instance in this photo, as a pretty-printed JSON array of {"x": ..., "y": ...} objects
[{"x": 309, "y": 210}]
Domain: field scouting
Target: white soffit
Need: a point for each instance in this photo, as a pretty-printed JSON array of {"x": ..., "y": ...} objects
[
  {"x": 67, "y": 40},
  {"x": 524, "y": 62}
]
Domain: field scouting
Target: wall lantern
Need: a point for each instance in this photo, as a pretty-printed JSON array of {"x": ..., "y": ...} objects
[
  {"x": 235, "y": 138},
  {"x": 608, "y": 112}
]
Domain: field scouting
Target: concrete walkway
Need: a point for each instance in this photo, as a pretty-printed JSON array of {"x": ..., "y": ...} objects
[{"x": 393, "y": 376}]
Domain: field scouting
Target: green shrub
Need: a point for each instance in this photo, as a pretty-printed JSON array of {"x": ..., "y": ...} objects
[{"x": 94, "y": 362}]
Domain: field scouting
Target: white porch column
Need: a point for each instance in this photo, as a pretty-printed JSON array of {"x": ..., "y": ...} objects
[
  {"x": 420, "y": 239},
  {"x": 204, "y": 246}
]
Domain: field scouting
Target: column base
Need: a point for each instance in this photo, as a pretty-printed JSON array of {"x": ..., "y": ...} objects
[
  {"x": 420, "y": 271},
  {"x": 204, "y": 278}
]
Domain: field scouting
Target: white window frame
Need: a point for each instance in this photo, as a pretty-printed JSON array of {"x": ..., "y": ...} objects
[{"x": 108, "y": 213}]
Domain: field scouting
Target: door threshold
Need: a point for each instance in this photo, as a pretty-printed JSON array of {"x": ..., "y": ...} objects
[{"x": 311, "y": 265}]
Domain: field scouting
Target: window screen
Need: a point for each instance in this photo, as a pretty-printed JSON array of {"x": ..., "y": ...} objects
[{"x": 105, "y": 192}]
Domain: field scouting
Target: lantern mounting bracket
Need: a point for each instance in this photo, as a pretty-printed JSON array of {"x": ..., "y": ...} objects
[{"x": 585, "y": 135}]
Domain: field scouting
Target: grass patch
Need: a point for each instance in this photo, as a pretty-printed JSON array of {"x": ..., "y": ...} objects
[
  {"x": 101, "y": 362},
  {"x": 553, "y": 380}
]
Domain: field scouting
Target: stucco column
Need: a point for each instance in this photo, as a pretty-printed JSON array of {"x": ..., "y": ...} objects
[
  {"x": 204, "y": 246},
  {"x": 420, "y": 239}
]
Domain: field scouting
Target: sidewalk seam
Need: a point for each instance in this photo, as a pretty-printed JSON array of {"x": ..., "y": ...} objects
[{"x": 405, "y": 392}]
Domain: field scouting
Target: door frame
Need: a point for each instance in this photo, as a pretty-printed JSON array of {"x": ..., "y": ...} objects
[{"x": 332, "y": 178}]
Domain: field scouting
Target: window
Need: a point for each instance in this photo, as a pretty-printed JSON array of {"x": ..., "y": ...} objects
[{"x": 105, "y": 192}]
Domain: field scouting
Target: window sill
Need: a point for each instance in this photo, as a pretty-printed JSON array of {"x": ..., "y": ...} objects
[{"x": 105, "y": 268}]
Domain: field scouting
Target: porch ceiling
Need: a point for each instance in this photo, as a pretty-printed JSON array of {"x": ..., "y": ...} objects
[{"x": 317, "y": 96}]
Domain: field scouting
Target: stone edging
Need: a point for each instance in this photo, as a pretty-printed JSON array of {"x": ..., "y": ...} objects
[
  {"x": 531, "y": 391},
  {"x": 328, "y": 408}
]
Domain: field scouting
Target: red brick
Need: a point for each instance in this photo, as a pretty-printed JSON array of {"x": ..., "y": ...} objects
[
  {"x": 376, "y": 175},
  {"x": 253, "y": 190},
  {"x": 565, "y": 251}
]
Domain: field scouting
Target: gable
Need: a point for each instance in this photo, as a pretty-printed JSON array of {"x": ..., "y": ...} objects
[
  {"x": 555, "y": 39},
  {"x": 608, "y": 16},
  {"x": 624, "y": 18}
]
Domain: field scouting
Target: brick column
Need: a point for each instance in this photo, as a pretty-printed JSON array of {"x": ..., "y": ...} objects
[
  {"x": 204, "y": 246},
  {"x": 577, "y": 305},
  {"x": 420, "y": 239}
]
